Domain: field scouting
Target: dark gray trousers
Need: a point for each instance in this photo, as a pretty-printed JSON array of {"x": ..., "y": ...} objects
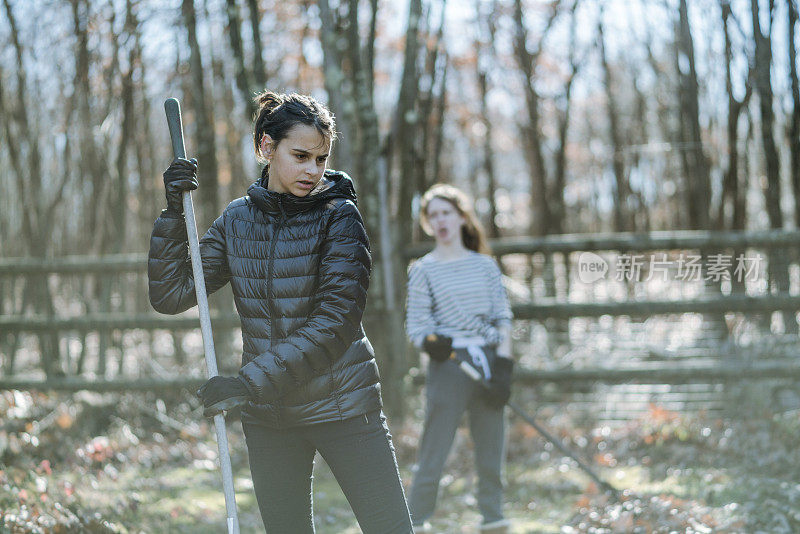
[
  {"x": 359, "y": 452},
  {"x": 449, "y": 393}
]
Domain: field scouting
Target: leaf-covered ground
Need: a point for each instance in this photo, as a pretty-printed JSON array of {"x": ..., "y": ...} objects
[{"x": 138, "y": 463}]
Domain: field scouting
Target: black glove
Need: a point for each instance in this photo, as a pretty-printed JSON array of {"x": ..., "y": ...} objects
[
  {"x": 438, "y": 347},
  {"x": 222, "y": 393},
  {"x": 498, "y": 389},
  {"x": 180, "y": 176}
]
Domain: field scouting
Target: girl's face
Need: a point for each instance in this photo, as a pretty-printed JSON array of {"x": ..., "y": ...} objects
[
  {"x": 296, "y": 162},
  {"x": 445, "y": 221}
]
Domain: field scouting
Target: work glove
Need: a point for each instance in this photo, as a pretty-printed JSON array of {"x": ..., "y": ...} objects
[
  {"x": 180, "y": 176},
  {"x": 439, "y": 348},
  {"x": 498, "y": 389},
  {"x": 222, "y": 393}
]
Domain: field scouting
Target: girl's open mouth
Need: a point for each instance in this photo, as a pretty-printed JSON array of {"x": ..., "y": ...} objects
[{"x": 305, "y": 184}]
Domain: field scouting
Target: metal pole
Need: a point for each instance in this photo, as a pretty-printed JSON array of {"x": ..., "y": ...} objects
[
  {"x": 172, "y": 107},
  {"x": 473, "y": 373}
]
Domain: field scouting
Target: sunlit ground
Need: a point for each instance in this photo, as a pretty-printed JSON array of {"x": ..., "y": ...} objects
[
  {"x": 99, "y": 465},
  {"x": 699, "y": 458}
]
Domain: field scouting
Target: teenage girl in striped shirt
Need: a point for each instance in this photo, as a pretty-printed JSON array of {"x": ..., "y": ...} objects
[{"x": 457, "y": 306}]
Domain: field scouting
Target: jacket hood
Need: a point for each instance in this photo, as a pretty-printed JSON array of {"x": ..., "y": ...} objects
[{"x": 334, "y": 184}]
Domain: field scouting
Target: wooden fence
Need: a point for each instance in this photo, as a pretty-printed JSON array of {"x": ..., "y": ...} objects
[{"x": 722, "y": 371}]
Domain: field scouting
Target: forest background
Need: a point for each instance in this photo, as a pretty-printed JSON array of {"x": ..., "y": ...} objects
[{"x": 558, "y": 117}]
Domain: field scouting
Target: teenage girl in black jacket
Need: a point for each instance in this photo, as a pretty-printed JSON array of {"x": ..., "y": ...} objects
[{"x": 297, "y": 256}]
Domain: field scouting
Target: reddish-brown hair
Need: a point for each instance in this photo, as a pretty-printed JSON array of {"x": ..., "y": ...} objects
[{"x": 472, "y": 234}]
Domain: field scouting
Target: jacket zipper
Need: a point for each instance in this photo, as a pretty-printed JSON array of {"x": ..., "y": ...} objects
[
  {"x": 270, "y": 306},
  {"x": 270, "y": 267}
]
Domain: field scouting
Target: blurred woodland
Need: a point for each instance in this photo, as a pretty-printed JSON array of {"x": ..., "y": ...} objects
[{"x": 558, "y": 117}]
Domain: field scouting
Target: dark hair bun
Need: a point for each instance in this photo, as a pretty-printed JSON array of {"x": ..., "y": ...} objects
[{"x": 267, "y": 102}]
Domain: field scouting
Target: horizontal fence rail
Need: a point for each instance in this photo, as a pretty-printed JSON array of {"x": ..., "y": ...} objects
[
  {"x": 684, "y": 374},
  {"x": 627, "y": 242},
  {"x": 648, "y": 375},
  {"x": 112, "y": 263},
  {"x": 623, "y": 242},
  {"x": 542, "y": 309},
  {"x": 102, "y": 385},
  {"x": 113, "y": 321}
]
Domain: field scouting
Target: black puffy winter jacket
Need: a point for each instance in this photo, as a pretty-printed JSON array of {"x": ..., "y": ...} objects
[{"x": 299, "y": 268}]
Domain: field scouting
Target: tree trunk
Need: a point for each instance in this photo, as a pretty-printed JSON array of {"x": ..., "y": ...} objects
[
  {"x": 793, "y": 132},
  {"x": 423, "y": 149},
  {"x": 242, "y": 77},
  {"x": 693, "y": 158},
  {"x": 150, "y": 190},
  {"x": 622, "y": 191},
  {"x": 762, "y": 67},
  {"x": 485, "y": 50},
  {"x": 340, "y": 93},
  {"x": 120, "y": 215},
  {"x": 695, "y": 163},
  {"x": 732, "y": 207},
  {"x": 203, "y": 111},
  {"x": 556, "y": 200},
  {"x": 29, "y": 184},
  {"x": 438, "y": 139},
  {"x": 406, "y": 124},
  {"x": 532, "y": 132},
  {"x": 259, "y": 73}
]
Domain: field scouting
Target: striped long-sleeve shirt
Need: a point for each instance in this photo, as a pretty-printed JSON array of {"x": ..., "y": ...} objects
[{"x": 464, "y": 297}]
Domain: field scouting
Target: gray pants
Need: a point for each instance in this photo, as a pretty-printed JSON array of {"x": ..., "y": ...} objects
[
  {"x": 360, "y": 454},
  {"x": 449, "y": 392}
]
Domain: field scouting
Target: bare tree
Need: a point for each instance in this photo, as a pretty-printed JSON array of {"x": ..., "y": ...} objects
[
  {"x": 437, "y": 145},
  {"x": 484, "y": 45},
  {"x": 532, "y": 131},
  {"x": 431, "y": 79},
  {"x": 731, "y": 214},
  {"x": 674, "y": 209},
  {"x": 259, "y": 72},
  {"x": 242, "y": 77},
  {"x": 203, "y": 110},
  {"x": 147, "y": 166},
  {"x": 21, "y": 131},
  {"x": 405, "y": 124},
  {"x": 693, "y": 157},
  {"x": 623, "y": 216},
  {"x": 733, "y": 202},
  {"x": 556, "y": 199},
  {"x": 762, "y": 68},
  {"x": 339, "y": 87},
  {"x": 793, "y": 132}
]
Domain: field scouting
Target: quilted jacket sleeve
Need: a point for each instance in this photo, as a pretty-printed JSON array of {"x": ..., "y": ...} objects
[
  {"x": 345, "y": 265},
  {"x": 169, "y": 268}
]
